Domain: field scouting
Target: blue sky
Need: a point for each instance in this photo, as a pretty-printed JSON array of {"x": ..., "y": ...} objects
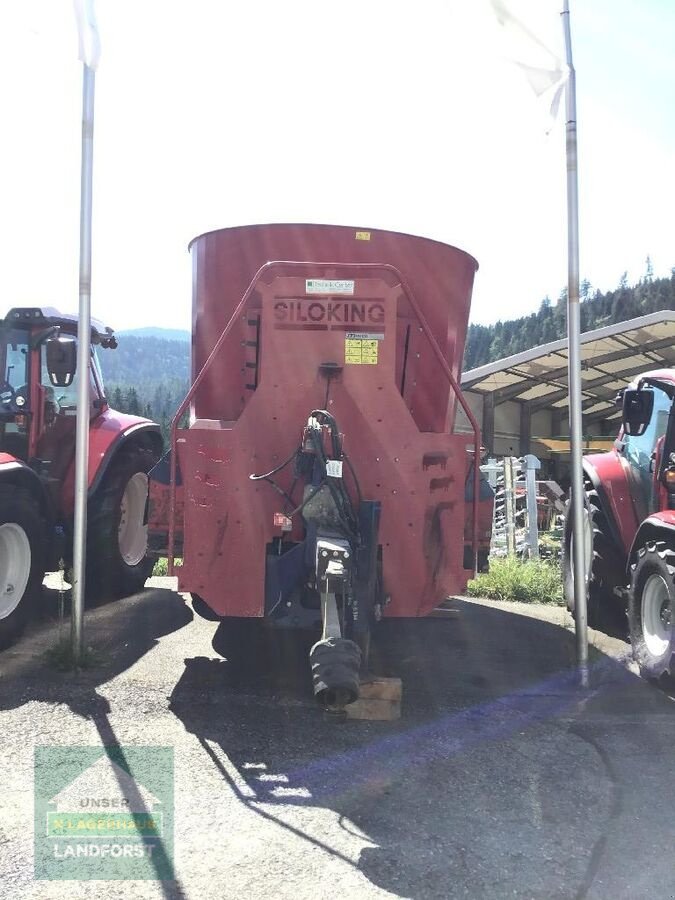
[{"x": 374, "y": 113}]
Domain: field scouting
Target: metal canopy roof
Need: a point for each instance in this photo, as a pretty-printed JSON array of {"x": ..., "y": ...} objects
[{"x": 610, "y": 357}]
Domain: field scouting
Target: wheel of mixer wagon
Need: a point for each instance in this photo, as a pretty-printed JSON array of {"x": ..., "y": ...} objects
[
  {"x": 117, "y": 533},
  {"x": 22, "y": 539}
]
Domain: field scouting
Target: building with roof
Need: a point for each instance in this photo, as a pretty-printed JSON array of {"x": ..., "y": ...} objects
[{"x": 521, "y": 401}]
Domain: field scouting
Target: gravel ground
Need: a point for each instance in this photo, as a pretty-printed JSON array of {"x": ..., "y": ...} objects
[{"x": 500, "y": 780}]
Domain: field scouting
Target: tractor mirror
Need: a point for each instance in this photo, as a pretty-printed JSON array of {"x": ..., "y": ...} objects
[
  {"x": 637, "y": 410},
  {"x": 61, "y": 360}
]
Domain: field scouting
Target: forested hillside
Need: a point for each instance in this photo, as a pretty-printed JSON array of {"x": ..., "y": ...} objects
[
  {"x": 147, "y": 376},
  {"x": 169, "y": 334},
  {"x": 486, "y": 343}
]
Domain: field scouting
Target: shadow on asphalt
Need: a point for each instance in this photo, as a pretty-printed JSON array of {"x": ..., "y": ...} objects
[
  {"x": 490, "y": 777},
  {"x": 500, "y": 779},
  {"x": 123, "y": 632}
]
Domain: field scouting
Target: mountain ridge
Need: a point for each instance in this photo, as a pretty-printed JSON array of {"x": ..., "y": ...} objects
[{"x": 166, "y": 334}]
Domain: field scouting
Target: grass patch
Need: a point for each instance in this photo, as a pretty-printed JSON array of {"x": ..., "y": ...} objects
[
  {"x": 60, "y": 656},
  {"x": 529, "y": 581},
  {"x": 161, "y": 568},
  {"x": 550, "y": 544}
]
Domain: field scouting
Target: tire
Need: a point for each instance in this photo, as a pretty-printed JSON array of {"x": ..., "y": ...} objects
[
  {"x": 117, "y": 561},
  {"x": 22, "y": 561},
  {"x": 605, "y": 567},
  {"x": 651, "y": 606}
]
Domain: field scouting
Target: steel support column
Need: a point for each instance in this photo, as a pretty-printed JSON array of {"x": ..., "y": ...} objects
[
  {"x": 525, "y": 428},
  {"x": 489, "y": 422}
]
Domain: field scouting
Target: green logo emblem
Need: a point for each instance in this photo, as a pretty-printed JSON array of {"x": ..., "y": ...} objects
[{"x": 104, "y": 813}]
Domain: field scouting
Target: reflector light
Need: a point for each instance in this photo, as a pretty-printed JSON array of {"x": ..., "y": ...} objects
[{"x": 282, "y": 521}]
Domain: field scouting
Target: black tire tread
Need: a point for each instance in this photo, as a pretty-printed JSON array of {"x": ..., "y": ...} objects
[
  {"x": 651, "y": 551},
  {"x": 605, "y": 611},
  {"x": 12, "y": 497},
  {"x": 108, "y": 577}
]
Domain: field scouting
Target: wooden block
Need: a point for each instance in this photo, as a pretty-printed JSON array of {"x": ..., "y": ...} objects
[
  {"x": 374, "y": 710},
  {"x": 379, "y": 700}
]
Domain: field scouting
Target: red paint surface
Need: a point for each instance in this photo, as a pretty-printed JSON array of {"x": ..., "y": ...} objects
[
  {"x": 104, "y": 431},
  {"x": 611, "y": 469},
  {"x": 664, "y": 517},
  {"x": 440, "y": 276},
  {"x": 397, "y": 442}
]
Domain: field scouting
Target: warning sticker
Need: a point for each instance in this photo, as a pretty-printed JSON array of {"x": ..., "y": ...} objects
[
  {"x": 328, "y": 286},
  {"x": 361, "y": 348},
  {"x": 362, "y": 235},
  {"x": 334, "y": 468}
]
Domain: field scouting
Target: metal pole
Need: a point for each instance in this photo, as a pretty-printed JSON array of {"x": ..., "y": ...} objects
[
  {"x": 574, "y": 352},
  {"x": 83, "y": 354},
  {"x": 509, "y": 506},
  {"x": 532, "y": 464}
]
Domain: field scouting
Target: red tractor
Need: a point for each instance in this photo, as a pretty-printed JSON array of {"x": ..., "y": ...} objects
[
  {"x": 629, "y": 536},
  {"x": 320, "y": 483},
  {"x": 38, "y": 397}
]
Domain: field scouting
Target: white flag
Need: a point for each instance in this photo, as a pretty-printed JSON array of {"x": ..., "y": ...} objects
[
  {"x": 531, "y": 33},
  {"x": 87, "y": 30}
]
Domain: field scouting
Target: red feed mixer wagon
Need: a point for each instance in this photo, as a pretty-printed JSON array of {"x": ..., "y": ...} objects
[{"x": 318, "y": 482}]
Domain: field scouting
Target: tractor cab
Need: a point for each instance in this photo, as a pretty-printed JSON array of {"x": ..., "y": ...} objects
[
  {"x": 38, "y": 407},
  {"x": 39, "y": 384},
  {"x": 647, "y": 442}
]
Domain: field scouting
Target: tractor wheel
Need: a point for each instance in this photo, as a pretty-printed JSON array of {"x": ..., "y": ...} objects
[
  {"x": 22, "y": 565},
  {"x": 604, "y": 567},
  {"x": 117, "y": 560},
  {"x": 651, "y": 607}
]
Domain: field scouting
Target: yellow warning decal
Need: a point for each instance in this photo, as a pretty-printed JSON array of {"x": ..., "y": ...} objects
[
  {"x": 361, "y": 349},
  {"x": 362, "y": 235}
]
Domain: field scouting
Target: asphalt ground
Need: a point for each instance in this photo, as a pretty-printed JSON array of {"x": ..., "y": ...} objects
[{"x": 501, "y": 779}]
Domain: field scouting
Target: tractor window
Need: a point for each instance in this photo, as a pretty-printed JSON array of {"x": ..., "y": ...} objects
[
  {"x": 98, "y": 374},
  {"x": 14, "y": 382},
  {"x": 63, "y": 400},
  {"x": 638, "y": 450}
]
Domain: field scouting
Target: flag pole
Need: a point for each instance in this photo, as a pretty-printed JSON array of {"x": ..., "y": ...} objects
[
  {"x": 574, "y": 355},
  {"x": 83, "y": 353},
  {"x": 89, "y": 53}
]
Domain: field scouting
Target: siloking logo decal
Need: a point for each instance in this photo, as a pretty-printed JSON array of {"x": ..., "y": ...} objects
[
  {"x": 328, "y": 314},
  {"x": 104, "y": 813}
]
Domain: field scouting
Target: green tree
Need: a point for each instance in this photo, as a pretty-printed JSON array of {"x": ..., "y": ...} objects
[
  {"x": 649, "y": 270},
  {"x": 486, "y": 343},
  {"x": 117, "y": 400},
  {"x": 132, "y": 402}
]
